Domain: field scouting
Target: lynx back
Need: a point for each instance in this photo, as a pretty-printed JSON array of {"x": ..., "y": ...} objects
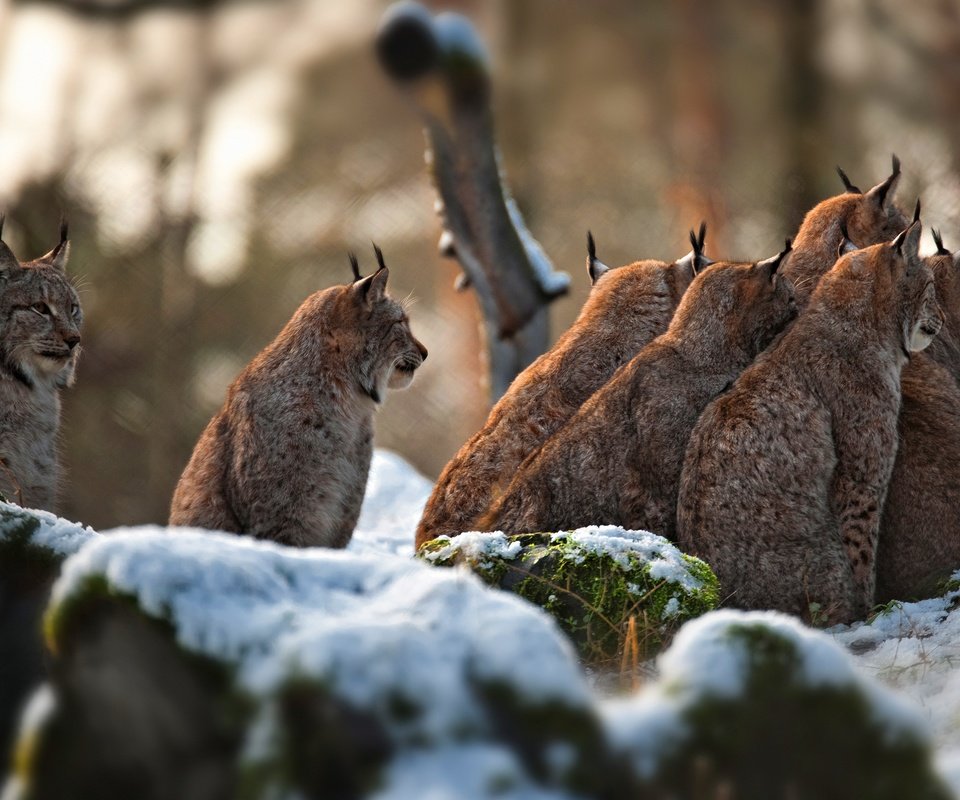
[
  {"x": 785, "y": 475},
  {"x": 618, "y": 460},
  {"x": 627, "y": 308}
]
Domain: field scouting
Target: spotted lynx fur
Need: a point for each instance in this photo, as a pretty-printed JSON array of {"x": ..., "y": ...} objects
[
  {"x": 287, "y": 456},
  {"x": 618, "y": 460},
  {"x": 40, "y": 321},
  {"x": 627, "y": 308},
  {"x": 785, "y": 475}
]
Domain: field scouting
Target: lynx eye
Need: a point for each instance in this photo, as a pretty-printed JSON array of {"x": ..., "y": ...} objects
[
  {"x": 41, "y": 308},
  {"x": 75, "y": 311}
]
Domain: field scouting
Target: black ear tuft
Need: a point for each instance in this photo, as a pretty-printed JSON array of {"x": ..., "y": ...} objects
[
  {"x": 850, "y": 187},
  {"x": 3, "y": 218},
  {"x": 938, "y": 240},
  {"x": 591, "y": 247},
  {"x": 355, "y": 267},
  {"x": 379, "y": 253},
  {"x": 64, "y": 229},
  {"x": 916, "y": 211}
]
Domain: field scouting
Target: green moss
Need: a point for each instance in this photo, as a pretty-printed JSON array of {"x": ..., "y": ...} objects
[{"x": 605, "y": 606}]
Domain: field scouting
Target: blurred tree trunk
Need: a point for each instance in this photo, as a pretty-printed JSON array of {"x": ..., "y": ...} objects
[
  {"x": 698, "y": 141},
  {"x": 803, "y": 89},
  {"x": 175, "y": 296}
]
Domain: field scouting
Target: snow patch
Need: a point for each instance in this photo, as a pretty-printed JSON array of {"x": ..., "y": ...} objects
[{"x": 54, "y": 534}]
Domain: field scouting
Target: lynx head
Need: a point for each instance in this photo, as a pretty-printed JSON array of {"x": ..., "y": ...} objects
[
  {"x": 857, "y": 218},
  {"x": 946, "y": 275},
  {"x": 738, "y": 306},
  {"x": 40, "y": 317},
  {"x": 919, "y": 315},
  {"x": 387, "y": 354},
  {"x": 900, "y": 295},
  {"x": 629, "y": 298}
]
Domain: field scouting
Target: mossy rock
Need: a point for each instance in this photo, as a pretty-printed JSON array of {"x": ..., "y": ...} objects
[
  {"x": 755, "y": 706},
  {"x": 616, "y": 593},
  {"x": 33, "y": 546}
]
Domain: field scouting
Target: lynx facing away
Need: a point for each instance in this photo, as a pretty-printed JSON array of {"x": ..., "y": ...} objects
[
  {"x": 627, "y": 308},
  {"x": 618, "y": 460},
  {"x": 40, "y": 322},
  {"x": 287, "y": 456},
  {"x": 868, "y": 218},
  {"x": 920, "y": 532},
  {"x": 785, "y": 475}
]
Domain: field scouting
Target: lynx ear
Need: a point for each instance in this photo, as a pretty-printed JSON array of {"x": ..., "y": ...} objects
[
  {"x": 846, "y": 182},
  {"x": 907, "y": 242},
  {"x": 60, "y": 254},
  {"x": 700, "y": 261},
  {"x": 8, "y": 261},
  {"x": 938, "y": 241},
  {"x": 355, "y": 267},
  {"x": 595, "y": 268},
  {"x": 884, "y": 191},
  {"x": 374, "y": 287},
  {"x": 846, "y": 245},
  {"x": 773, "y": 264}
]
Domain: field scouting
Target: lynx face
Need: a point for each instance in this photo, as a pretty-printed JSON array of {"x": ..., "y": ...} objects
[
  {"x": 921, "y": 318},
  {"x": 40, "y": 318},
  {"x": 391, "y": 353}
]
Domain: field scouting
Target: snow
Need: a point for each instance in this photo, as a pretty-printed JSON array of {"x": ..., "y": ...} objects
[
  {"x": 915, "y": 648},
  {"x": 53, "y": 533},
  {"x": 665, "y": 560},
  {"x": 374, "y": 628},
  {"x": 477, "y": 546},
  {"x": 392, "y": 506}
]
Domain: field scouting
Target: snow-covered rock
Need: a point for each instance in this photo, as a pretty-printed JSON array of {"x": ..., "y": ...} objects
[
  {"x": 755, "y": 705},
  {"x": 316, "y": 654},
  {"x": 33, "y": 544},
  {"x": 610, "y": 589}
]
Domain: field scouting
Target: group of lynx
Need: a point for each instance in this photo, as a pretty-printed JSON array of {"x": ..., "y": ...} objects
[
  {"x": 627, "y": 308},
  {"x": 762, "y": 444},
  {"x": 40, "y": 321},
  {"x": 287, "y": 456}
]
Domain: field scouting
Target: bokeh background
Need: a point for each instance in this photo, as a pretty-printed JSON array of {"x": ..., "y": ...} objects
[{"x": 217, "y": 160}]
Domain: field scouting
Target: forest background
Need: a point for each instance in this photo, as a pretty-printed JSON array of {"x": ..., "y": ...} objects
[{"x": 218, "y": 160}]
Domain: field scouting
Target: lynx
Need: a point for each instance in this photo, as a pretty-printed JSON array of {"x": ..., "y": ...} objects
[
  {"x": 40, "y": 321},
  {"x": 618, "y": 460},
  {"x": 869, "y": 218},
  {"x": 627, "y": 308},
  {"x": 785, "y": 475},
  {"x": 287, "y": 456},
  {"x": 920, "y": 531}
]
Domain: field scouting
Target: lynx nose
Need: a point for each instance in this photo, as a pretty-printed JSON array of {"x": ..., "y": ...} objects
[
  {"x": 423, "y": 351},
  {"x": 71, "y": 341}
]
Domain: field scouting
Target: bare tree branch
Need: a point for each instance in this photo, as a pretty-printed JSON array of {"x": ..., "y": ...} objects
[{"x": 440, "y": 64}]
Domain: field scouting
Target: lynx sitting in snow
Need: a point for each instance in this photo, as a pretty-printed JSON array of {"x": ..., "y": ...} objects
[
  {"x": 40, "y": 322},
  {"x": 287, "y": 456},
  {"x": 785, "y": 475},
  {"x": 627, "y": 308},
  {"x": 618, "y": 460}
]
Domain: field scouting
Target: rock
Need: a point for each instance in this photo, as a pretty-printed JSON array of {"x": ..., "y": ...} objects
[
  {"x": 755, "y": 705},
  {"x": 191, "y": 665},
  {"x": 33, "y": 545},
  {"x": 199, "y": 665},
  {"x": 610, "y": 590}
]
